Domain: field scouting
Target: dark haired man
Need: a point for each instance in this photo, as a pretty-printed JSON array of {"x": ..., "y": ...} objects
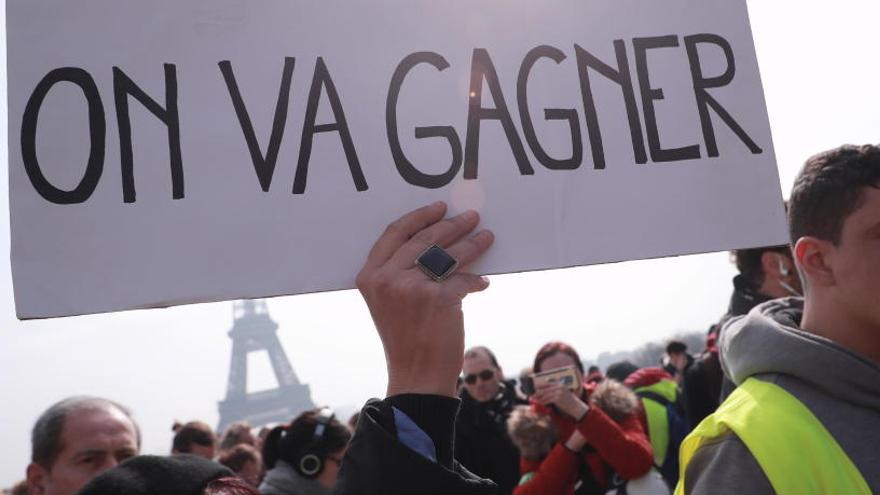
[
  {"x": 765, "y": 273},
  {"x": 804, "y": 416},
  {"x": 77, "y": 439},
  {"x": 482, "y": 444},
  {"x": 677, "y": 360}
]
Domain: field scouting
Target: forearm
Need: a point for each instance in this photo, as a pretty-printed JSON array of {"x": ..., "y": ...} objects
[
  {"x": 624, "y": 447},
  {"x": 556, "y": 474}
]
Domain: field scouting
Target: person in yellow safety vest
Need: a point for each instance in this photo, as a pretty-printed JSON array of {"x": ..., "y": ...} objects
[
  {"x": 805, "y": 417},
  {"x": 662, "y": 417}
]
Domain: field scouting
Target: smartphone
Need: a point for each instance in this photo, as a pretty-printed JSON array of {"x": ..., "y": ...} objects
[{"x": 567, "y": 376}]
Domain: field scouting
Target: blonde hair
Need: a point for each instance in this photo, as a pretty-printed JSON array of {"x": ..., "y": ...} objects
[
  {"x": 615, "y": 399},
  {"x": 533, "y": 433}
]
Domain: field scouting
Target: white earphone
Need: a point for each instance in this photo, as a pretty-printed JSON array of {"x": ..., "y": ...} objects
[{"x": 785, "y": 272}]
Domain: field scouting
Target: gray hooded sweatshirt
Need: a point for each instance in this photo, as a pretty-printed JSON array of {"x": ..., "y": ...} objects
[{"x": 841, "y": 388}]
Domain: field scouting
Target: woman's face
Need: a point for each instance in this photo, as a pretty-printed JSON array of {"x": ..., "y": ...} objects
[{"x": 561, "y": 360}]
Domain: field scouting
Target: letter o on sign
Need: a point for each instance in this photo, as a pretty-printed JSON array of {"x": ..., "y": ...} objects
[{"x": 97, "y": 133}]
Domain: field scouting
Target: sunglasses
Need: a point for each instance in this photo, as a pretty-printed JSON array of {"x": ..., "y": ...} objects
[{"x": 484, "y": 375}]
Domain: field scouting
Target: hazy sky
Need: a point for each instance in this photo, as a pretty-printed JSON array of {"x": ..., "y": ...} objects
[{"x": 818, "y": 63}]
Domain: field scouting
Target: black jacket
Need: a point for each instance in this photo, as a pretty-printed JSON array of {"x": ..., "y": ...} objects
[
  {"x": 481, "y": 441},
  {"x": 377, "y": 463},
  {"x": 705, "y": 386},
  {"x": 744, "y": 298},
  {"x": 702, "y": 388}
]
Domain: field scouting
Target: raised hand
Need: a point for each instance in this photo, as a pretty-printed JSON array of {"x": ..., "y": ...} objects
[{"x": 420, "y": 320}]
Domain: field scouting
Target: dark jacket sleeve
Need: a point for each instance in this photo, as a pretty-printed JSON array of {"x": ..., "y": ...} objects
[{"x": 377, "y": 463}]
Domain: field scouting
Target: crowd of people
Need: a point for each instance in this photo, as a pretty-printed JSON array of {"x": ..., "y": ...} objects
[{"x": 784, "y": 397}]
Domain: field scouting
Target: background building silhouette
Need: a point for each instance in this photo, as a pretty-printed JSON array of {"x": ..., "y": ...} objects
[{"x": 253, "y": 331}]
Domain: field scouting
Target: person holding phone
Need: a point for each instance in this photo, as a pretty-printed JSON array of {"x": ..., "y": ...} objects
[
  {"x": 413, "y": 281},
  {"x": 600, "y": 436}
]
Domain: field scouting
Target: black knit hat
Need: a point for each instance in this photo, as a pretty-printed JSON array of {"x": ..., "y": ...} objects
[
  {"x": 153, "y": 475},
  {"x": 620, "y": 370}
]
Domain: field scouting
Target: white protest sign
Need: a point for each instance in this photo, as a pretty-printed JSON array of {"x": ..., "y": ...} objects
[{"x": 173, "y": 151}]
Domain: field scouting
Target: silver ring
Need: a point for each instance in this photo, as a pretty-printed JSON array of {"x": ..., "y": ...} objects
[{"x": 436, "y": 263}]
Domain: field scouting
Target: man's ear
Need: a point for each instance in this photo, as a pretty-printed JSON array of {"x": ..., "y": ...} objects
[
  {"x": 36, "y": 479},
  {"x": 770, "y": 265},
  {"x": 814, "y": 258}
]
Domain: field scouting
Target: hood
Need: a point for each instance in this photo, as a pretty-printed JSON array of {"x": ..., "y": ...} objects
[
  {"x": 615, "y": 399},
  {"x": 655, "y": 380},
  {"x": 645, "y": 377},
  {"x": 769, "y": 340}
]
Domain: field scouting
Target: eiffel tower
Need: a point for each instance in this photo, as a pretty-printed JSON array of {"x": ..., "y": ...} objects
[{"x": 253, "y": 330}]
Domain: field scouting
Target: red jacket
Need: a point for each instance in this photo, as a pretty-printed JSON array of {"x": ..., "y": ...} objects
[{"x": 622, "y": 446}]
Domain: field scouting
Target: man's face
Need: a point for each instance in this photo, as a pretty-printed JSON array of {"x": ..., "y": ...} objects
[
  {"x": 678, "y": 360},
  {"x": 92, "y": 441},
  {"x": 856, "y": 262},
  {"x": 479, "y": 367}
]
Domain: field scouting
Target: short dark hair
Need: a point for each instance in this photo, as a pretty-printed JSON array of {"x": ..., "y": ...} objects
[
  {"x": 46, "y": 434},
  {"x": 829, "y": 189},
  {"x": 748, "y": 262},
  {"x": 239, "y": 455},
  {"x": 290, "y": 442},
  {"x": 475, "y": 351},
  {"x": 550, "y": 349},
  {"x": 194, "y": 432},
  {"x": 621, "y": 370},
  {"x": 236, "y": 434},
  {"x": 676, "y": 347},
  {"x": 20, "y": 488}
]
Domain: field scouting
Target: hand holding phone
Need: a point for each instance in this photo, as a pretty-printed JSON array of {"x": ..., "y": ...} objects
[
  {"x": 566, "y": 376},
  {"x": 558, "y": 387}
]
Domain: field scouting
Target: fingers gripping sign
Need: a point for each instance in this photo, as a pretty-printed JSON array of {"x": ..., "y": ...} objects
[{"x": 419, "y": 319}]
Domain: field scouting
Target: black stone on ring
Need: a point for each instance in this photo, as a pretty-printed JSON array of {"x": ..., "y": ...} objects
[{"x": 436, "y": 263}]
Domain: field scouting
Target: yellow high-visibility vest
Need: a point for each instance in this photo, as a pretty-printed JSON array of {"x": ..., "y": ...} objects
[
  {"x": 657, "y": 416},
  {"x": 795, "y": 451}
]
